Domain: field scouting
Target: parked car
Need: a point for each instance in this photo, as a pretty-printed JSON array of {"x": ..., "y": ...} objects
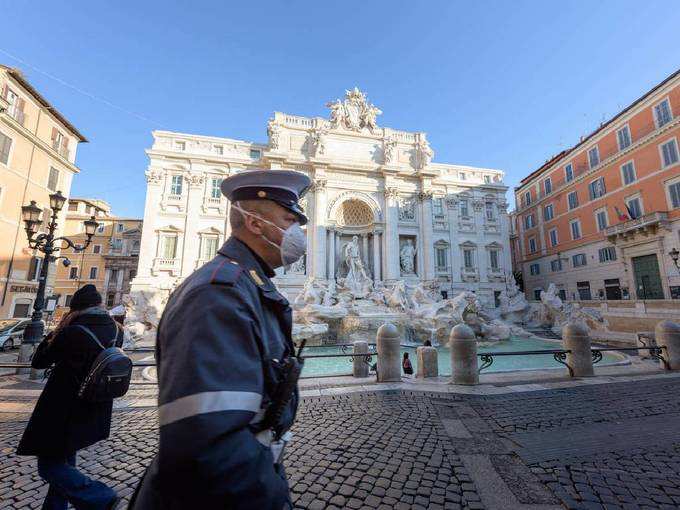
[{"x": 12, "y": 332}]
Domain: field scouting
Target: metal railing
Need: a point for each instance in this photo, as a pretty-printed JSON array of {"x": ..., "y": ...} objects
[{"x": 487, "y": 358}]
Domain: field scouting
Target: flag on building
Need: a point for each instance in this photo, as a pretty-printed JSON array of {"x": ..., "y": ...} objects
[{"x": 622, "y": 216}]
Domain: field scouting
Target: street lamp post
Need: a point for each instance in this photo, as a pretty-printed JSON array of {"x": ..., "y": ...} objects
[{"x": 48, "y": 245}]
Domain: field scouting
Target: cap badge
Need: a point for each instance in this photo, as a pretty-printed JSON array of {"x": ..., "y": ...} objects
[{"x": 261, "y": 194}]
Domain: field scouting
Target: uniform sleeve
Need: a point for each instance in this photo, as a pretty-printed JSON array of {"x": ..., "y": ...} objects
[{"x": 211, "y": 387}]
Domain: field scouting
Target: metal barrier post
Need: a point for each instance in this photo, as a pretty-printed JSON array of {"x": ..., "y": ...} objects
[
  {"x": 577, "y": 342},
  {"x": 389, "y": 365},
  {"x": 428, "y": 363},
  {"x": 360, "y": 363},
  {"x": 668, "y": 336},
  {"x": 463, "y": 355}
]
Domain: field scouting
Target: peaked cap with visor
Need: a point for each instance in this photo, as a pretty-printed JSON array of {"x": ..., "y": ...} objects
[{"x": 285, "y": 187}]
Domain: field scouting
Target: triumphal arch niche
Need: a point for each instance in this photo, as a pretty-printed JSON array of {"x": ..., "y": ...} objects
[{"x": 381, "y": 211}]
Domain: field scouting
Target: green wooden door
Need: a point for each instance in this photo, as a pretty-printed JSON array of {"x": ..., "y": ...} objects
[{"x": 647, "y": 278}]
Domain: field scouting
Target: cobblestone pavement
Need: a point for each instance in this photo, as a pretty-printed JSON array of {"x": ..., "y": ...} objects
[{"x": 596, "y": 446}]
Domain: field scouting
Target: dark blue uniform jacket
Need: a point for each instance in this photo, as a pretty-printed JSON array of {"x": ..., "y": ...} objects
[{"x": 212, "y": 388}]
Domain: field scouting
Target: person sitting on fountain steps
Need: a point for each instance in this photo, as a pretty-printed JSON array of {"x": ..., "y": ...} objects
[{"x": 227, "y": 372}]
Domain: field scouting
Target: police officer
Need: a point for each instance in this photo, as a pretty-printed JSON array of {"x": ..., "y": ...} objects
[{"x": 222, "y": 346}]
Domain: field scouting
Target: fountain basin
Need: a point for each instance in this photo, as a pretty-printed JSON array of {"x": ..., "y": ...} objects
[{"x": 320, "y": 367}]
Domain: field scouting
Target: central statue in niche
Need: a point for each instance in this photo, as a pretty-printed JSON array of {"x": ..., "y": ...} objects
[{"x": 357, "y": 280}]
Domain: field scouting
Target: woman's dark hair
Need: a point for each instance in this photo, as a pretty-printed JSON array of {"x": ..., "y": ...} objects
[
  {"x": 427, "y": 343},
  {"x": 406, "y": 355},
  {"x": 67, "y": 319}
]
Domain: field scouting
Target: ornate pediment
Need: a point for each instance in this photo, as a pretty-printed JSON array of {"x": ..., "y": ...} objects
[{"x": 354, "y": 113}]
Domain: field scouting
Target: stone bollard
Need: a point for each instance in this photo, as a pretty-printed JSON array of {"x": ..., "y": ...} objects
[
  {"x": 427, "y": 362},
  {"x": 577, "y": 340},
  {"x": 389, "y": 364},
  {"x": 360, "y": 366},
  {"x": 668, "y": 335},
  {"x": 463, "y": 355}
]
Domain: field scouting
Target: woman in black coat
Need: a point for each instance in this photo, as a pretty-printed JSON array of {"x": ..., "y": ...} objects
[{"x": 62, "y": 423}]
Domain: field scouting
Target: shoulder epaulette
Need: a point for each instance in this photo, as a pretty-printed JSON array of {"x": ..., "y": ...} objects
[{"x": 227, "y": 272}]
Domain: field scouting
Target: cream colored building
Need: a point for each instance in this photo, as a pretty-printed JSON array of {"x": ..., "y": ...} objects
[
  {"x": 376, "y": 183},
  {"x": 109, "y": 262},
  {"x": 37, "y": 157}
]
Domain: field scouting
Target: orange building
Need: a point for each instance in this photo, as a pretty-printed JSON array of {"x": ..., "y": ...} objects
[
  {"x": 37, "y": 157},
  {"x": 600, "y": 219}
]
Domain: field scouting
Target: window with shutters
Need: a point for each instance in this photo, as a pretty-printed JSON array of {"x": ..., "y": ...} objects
[
  {"x": 547, "y": 186},
  {"x": 527, "y": 198},
  {"x": 73, "y": 273},
  {"x": 623, "y": 137},
  {"x": 579, "y": 260},
  {"x": 662, "y": 113},
  {"x": 634, "y": 206},
  {"x": 532, "y": 245},
  {"x": 553, "y": 237},
  {"x": 669, "y": 153},
  {"x": 60, "y": 143},
  {"x": 487, "y": 179},
  {"x": 607, "y": 254},
  {"x": 73, "y": 206},
  {"x": 97, "y": 248},
  {"x": 16, "y": 105},
  {"x": 529, "y": 221},
  {"x": 601, "y": 219},
  {"x": 535, "y": 269},
  {"x": 594, "y": 157},
  {"x": 628, "y": 173},
  {"x": 34, "y": 268},
  {"x": 53, "y": 179},
  {"x": 575, "y": 229},
  {"x": 255, "y": 153},
  {"x": 548, "y": 212},
  {"x": 93, "y": 273},
  {"x": 5, "y": 147},
  {"x": 67, "y": 300},
  {"x": 218, "y": 149},
  {"x": 556, "y": 265},
  {"x": 120, "y": 227},
  {"x": 572, "y": 198},
  {"x": 596, "y": 188},
  {"x": 569, "y": 172}
]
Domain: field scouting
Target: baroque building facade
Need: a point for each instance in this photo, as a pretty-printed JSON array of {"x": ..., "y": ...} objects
[{"x": 374, "y": 188}]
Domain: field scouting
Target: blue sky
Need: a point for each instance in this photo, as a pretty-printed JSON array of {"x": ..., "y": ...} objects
[{"x": 502, "y": 84}]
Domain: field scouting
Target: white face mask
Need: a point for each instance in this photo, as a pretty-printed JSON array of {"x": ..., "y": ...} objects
[{"x": 294, "y": 242}]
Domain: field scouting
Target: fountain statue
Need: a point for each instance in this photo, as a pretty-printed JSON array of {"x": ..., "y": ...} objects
[
  {"x": 514, "y": 306},
  {"x": 553, "y": 313}
]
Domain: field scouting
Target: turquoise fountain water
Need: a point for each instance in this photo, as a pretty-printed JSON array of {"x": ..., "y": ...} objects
[{"x": 316, "y": 367}]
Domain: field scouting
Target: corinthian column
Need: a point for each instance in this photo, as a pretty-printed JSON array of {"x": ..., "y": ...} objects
[
  {"x": 427, "y": 255},
  {"x": 320, "y": 255},
  {"x": 376, "y": 256},
  {"x": 391, "y": 234}
]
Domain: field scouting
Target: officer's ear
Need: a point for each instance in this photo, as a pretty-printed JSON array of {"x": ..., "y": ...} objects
[{"x": 254, "y": 224}]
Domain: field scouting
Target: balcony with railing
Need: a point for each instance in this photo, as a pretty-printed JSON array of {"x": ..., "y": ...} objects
[
  {"x": 469, "y": 274},
  {"x": 649, "y": 223},
  {"x": 162, "y": 264},
  {"x": 606, "y": 152}
]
